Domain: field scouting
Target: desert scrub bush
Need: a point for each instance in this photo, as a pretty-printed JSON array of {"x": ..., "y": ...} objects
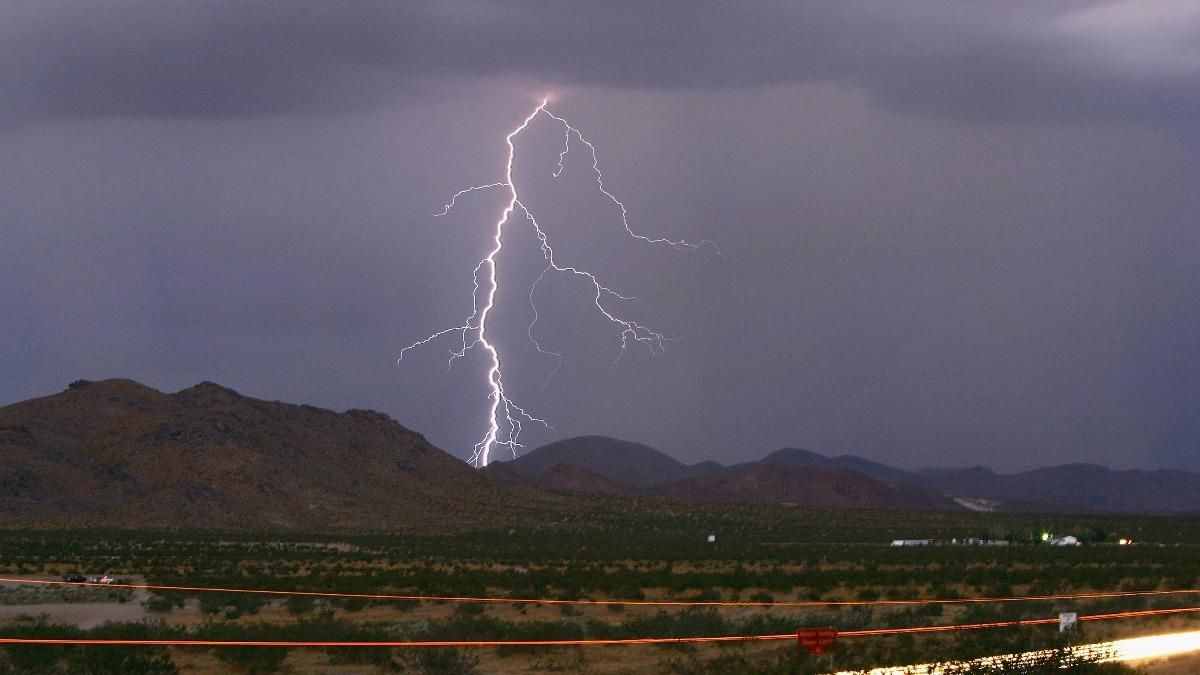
[
  {"x": 762, "y": 596},
  {"x": 778, "y": 662},
  {"x": 105, "y": 660},
  {"x": 158, "y": 603},
  {"x": 240, "y": 603},
  {"x": 252, "y": 659},
  {"x": 299, "y": 604},
  {"x": 86, "y": 659},
  {"x": 443, "y": 661},
  {"x": 379, "y": 657},
  {"x": 352, "y": 604},
  {"x": 705, "y": 595},
  {"x": 469, "y": 609},
  {"x": 868, "y": 593}
]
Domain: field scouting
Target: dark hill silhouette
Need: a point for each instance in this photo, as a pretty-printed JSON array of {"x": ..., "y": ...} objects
[
  {"x": 1072, "y": 488},
  {"x": 1069, "y": 488},
  {"x": 598, "y": 464},
  {"x": 571, "y": 478},
  {"x": 1088, "y": 486},
  {"x": 1044, "y": 507},
  {"x": 800, "y": 457},
  {"x": 623, "y": 462},
  {"x": 702, "y": 468},
  {"x": 119, "y": 453},
  {"x": 803, "y": 486}
]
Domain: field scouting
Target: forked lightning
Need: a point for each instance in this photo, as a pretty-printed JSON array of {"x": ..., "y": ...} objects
[{"x": 506, "y": 417}]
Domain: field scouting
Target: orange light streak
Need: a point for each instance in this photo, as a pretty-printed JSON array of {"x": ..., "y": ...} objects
[
  {"x": 573, "y": 643},
  {"x": 647, "y": 603}
]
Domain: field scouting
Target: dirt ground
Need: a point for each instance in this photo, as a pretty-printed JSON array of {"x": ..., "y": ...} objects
[
  {"x": 607, "y": 660},
  {"x": 83, "y": 614}
]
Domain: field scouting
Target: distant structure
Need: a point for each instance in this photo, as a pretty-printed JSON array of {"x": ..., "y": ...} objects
[
  {"x": 973, "y": 541},
  {"x": 1068, "y": 622},
  {"x": 1046, "y": 539}
]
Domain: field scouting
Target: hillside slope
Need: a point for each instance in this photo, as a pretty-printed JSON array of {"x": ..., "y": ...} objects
[
  {"x": 804, "y": 486},
  {"x": 1090, "y": 486},
  {"x": 1069, "y": 488},
  {"x": 619, "y": 461},
  {"x": 570, "y": 478},
  {"x": 800, "y": 457},
  {"x": 119, "y": 453}
]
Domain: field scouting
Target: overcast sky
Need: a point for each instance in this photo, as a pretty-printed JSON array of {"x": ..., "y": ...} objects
[{"x": 951, "y": 233}]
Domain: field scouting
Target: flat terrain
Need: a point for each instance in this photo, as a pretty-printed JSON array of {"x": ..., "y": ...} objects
[
  {"x": 209, "y": 488},
  {"x": 619, "y": 549}
]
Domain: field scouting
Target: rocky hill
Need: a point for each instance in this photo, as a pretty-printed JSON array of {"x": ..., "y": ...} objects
[
  {"x": 602, "y": 465},
  {"x": 1072, "y": 488},
  {"x": 1086, "y": 487},
  {"x": 804, "y": 486},
  {"x": 1069, "y": 488},
  {"x": 800, "y": 457},
  {"x": 571, "y": 478},
  {"x": 117, "y": 453},
  {"x": 623, "y": 462}
]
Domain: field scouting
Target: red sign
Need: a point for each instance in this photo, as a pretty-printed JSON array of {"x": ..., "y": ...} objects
[{"x": 816, "y": 640}]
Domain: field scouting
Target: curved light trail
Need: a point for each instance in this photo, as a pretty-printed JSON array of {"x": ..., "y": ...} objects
[
  {"x": 1133, "y": 648},
  {"x": 1125, "y": 650},
  {"x": 648, "y": 603}
]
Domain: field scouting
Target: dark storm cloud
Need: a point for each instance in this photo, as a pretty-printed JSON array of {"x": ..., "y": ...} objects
[
  {"x": 194, "y": 58},
  {"x": 242, "y": 192}
]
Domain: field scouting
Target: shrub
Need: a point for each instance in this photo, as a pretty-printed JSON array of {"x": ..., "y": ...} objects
[
  {"x": 103, "y": 660},
  {"x": 253, "y": 659},
  {"x": 469, "y": 609},
  {"x": 443, "y": 661},
  {"x": 299, "y": 604},
  {"x": 158, "y": 603}
]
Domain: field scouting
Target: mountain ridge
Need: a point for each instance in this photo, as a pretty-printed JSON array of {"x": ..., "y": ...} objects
[
  {"x": 119, "y": 453},
  {"x": 809, "y": 486},
  {"x": 1067, "y": 488},
  {"x": 626, "y": 462}
]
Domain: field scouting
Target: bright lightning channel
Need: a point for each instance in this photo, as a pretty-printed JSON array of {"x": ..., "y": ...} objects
[{"x": 506, "y": 418}]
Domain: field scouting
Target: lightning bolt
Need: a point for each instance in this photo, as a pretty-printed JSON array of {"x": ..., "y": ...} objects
[{"x": 506, "y": 418}]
